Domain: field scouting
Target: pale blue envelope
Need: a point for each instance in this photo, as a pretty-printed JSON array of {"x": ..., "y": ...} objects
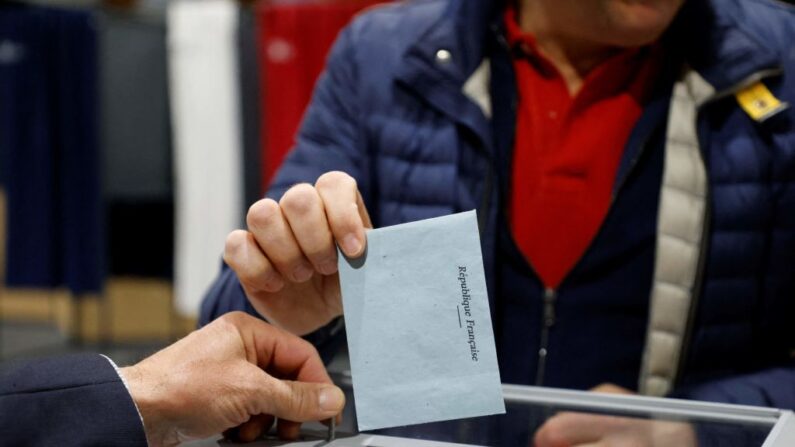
[{"x": 418, "y": 323}]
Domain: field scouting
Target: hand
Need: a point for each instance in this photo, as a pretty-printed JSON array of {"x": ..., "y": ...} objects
[
  {"x": 581, "y": 429},
  {"x": 237, "y": 371},
  {"x": 287, "y": 260}
]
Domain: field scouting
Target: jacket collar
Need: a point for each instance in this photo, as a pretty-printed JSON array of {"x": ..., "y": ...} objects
[
  {"x": 437, "y": 65},
  {"x": 717, "y": 44},
  {"x": 707, "y": 34},
  {"x": 462, "y": 30}
]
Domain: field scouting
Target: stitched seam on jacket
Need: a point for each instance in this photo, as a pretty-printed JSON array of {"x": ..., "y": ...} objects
[{"x": 62, "y": 388}]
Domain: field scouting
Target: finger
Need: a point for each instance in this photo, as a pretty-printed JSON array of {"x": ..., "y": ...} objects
[
  {"x": 304, "y": 211},
  {"x": 276, "y": 350},
  {"x": 300, "y": 401},
  {"x": 244, "y": 256},
  {"x": 254, "y": 427},
  {"x": 311, "y": 398},
  {"x": 337, "y": 420},
  {"x": 273, "y": 234},
  {"x": 566, "y": 429},
  {"x": 363, "y": 213},
  {"x": 232, "y": 434},
  {"x": 345, "y": 210},
  {"x": 609, "y": 388},
  {"x": 288, "y": 430}
]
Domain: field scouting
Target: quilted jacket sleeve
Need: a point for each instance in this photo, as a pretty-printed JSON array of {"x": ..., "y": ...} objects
[
  {"x": 72, "y": 400},
  {"x": 329, "y": 139},
  {"x": 769, "y": 388}
]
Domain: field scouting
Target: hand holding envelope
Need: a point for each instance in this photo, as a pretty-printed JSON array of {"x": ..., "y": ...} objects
[
  {"x": 287, "y": 260},
  {"x": 419, "y": 329},
  {"x": 428, "y": 365}
]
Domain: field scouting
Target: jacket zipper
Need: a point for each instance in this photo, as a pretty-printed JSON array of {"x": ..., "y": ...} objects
[
  {"x": 551, "y": 294},
  {"x": 550, "y": 297}
]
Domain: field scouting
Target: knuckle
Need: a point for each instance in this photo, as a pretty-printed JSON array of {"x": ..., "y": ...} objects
[
  {"x": 321, "y": 248},
  {"x": 309, "y": 347},
  {"x": 234, "y": 241},
  {"x": 343, "y": 220},
  {"x": 244, "y": 274},
  {"x": 333, "y": 180},
  {"x": 265, "y": 279},
  {"x": 300, "y": 199},
  {"x": 230, "y": 320},
  {"x": 347, "y": 222},
  {"x": 236, "y": 316},
  {"x": 262, "y": 213},
  {"x": 282, "y": 265},
  {"x": 301, "y": 402}
]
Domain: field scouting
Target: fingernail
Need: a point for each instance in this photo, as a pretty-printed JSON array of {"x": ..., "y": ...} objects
[
  {"x": 351, "y": 245},
  {"x": 302, "y": 273},
  {"x": 331, "y": 399},
  {"x": 328, "y": 267}
]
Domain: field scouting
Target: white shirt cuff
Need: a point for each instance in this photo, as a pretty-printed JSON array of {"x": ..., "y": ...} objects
[{"x": 124, "y": 381}]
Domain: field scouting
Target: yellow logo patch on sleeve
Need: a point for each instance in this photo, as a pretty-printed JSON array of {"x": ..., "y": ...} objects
[{"x": 758, "y": 102}]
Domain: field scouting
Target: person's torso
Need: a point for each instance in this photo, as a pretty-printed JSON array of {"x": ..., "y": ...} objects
[{"x": 431, "y": 150}]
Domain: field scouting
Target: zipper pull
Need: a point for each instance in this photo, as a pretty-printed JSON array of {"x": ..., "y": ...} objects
[
  {"x": 550, "y": 296},
  {"x": 549, "y": 307}
]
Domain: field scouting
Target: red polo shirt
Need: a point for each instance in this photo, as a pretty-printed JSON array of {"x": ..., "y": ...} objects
[{"x": 567, "y": 150}]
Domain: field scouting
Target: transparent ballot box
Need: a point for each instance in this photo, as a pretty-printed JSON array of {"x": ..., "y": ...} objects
[{"x": 622, "y": 419}]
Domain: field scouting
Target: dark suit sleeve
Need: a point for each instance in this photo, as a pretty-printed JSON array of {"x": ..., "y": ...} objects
[{"x": 72, "y": 400}]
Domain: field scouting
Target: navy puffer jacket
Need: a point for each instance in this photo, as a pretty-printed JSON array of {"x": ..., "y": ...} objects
[{"x": 689, "y": 288}]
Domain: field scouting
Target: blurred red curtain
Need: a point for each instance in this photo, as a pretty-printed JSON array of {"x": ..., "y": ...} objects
[{"x": 294, "y": 38}]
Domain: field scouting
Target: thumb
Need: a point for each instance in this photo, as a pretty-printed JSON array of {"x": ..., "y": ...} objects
[{"x": 300, "y": 401}]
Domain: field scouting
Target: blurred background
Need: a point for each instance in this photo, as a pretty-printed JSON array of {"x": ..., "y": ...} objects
[{"x": 133, "y": 137}]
